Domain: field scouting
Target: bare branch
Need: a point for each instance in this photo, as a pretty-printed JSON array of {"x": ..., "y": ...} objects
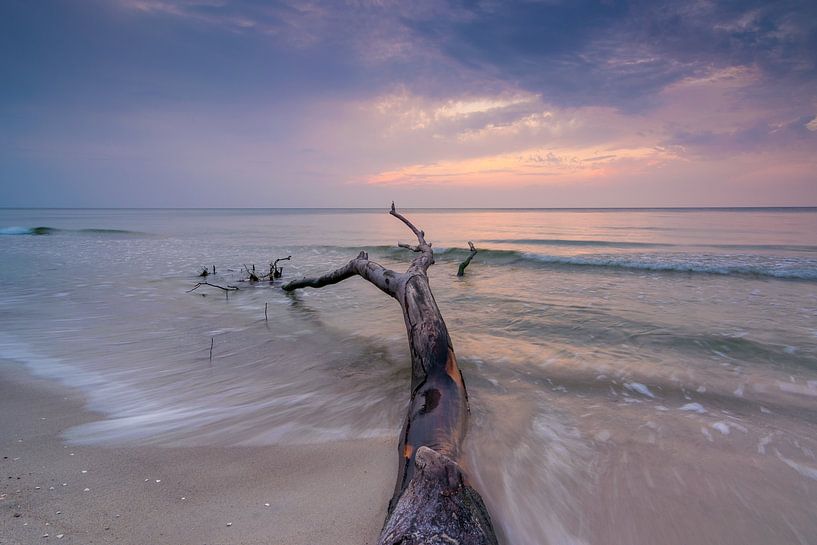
[
  {"x": 251, "y": 274},
  {"x": 426, "y": 258},
  {"x": 461, "y": 269},
  {"x": 228, "y": 288},
  {"x": 287, "y": 258},
  {"x": 417, "y": 232},
  {"x": 275, "y": 272},
  {"x": 385, "y": 279},
  {"x": 409, "y": 247}
]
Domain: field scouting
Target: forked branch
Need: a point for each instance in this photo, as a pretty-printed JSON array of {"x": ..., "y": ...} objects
[
  {"x": 251, "y": 273},
  {"x": 417, "y": 232},
  {"x": 422, "y": 262},
  {"x": 409, "y": 247},
  {"x": 378, "y": 275},
  {"x": 276, "y": 272}
]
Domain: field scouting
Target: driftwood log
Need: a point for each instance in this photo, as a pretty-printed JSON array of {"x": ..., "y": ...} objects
[
  {"x": 461, "y": 269},
  {"x": 433, "y": 502}
]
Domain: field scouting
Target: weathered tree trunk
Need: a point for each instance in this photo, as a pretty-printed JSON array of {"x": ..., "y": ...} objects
[
  {"x": 432, "y": 502},
  {"x": 461, "y": 269}
]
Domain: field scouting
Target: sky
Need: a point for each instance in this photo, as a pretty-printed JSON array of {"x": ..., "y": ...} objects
[{"x": 539, "y": 103}]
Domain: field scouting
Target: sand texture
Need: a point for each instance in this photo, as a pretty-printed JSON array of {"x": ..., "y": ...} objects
[{"x": 334, "y": 493}]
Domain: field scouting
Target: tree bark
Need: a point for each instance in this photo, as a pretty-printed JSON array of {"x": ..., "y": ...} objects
[{"x": 432, "y": 501}]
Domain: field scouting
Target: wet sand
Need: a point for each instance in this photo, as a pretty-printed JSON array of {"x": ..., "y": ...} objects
[{"x": 329, "y": 493}]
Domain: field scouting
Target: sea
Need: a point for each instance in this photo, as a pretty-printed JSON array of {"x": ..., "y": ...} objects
[{"x": 636, "y": 376}]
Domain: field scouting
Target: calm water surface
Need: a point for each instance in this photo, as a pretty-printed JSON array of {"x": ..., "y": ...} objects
[{"x": 636, "y": 377}]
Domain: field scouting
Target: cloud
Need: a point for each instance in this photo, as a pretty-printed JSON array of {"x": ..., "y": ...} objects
[
  {"x": 573, "y": 54},
  {"x": 372, "y": 31},
  {"x": 619, "y": 54},
  {"x": 721, "y": 114},
  {"x": 515, "y": 137},
  {"x": 490, "y": 95},
  {"x": 296, "y": 23},
  {"x": 526, "y": 167}
]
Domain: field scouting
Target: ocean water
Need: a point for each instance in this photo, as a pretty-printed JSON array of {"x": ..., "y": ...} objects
[{"x": 635, "y": 376}]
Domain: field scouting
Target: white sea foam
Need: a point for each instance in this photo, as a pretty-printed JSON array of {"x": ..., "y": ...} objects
[
  {"x": 602, "y": 436},
  {"x": 15, "y": 230},
  {"x": 693, "y": 407},
  {"x": 808, "y": 389},
  {"x": 804, "y": 470},
  {"x": 763, "y": 443},
  {"x": 792, "y": 268},
  {"x": 722, "y": 427},
  {"x": 640, "y": 388}
]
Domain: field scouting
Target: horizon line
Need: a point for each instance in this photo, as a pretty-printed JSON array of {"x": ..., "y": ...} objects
[{"x": 504, "y": 208}]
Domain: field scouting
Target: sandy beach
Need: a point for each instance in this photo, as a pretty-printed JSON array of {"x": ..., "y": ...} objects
[{"x": 52, "y": 491}]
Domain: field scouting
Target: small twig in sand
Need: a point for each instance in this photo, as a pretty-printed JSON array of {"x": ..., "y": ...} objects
[{"x": 211, "y": 349}]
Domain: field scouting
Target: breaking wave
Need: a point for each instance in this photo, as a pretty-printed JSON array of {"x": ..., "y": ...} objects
[
  {"x": 576, "y": 242},
  {"x": 764, "y": 266},
  {"x": 628, "y": 244},
  {"x": 38, "y": 231}
]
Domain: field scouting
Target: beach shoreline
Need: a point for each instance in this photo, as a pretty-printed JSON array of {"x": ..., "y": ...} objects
[
  {"x": 295, "y": 494},
  {"x": 629, "y": 382}
]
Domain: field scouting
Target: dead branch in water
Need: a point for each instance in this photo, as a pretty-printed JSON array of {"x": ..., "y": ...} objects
[
  {"x": 274, "y": 270},
  {"x": 251, "y": 274},
  {"x": 461, "y": 269},
  {"x": 433, "y": 501},
  {"x": 227, "y": 289},
  {"x": 275, "y": 264}
]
